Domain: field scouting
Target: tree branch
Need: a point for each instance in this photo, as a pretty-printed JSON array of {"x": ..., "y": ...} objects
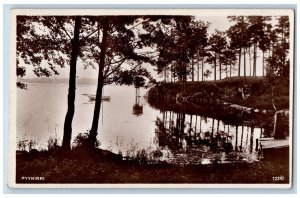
[
  {"x": 115, "y": 69},
  {"x": 64, "y": 29}
]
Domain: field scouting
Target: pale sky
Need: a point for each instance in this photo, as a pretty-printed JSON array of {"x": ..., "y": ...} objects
[{"x": 217, "y": 22}]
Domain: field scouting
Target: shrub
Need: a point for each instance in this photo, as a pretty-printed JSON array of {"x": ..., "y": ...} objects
[
  {"x": 53, "y": 144},
  {"x": 82, "y": 141}
]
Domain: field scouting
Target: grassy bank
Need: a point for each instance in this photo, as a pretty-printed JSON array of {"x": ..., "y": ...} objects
[
  {"x": 105, "y": 167},
  {"x": 257, "y": 91}
]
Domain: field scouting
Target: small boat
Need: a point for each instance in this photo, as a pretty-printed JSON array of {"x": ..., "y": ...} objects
[{"x": 105, "y": 98}]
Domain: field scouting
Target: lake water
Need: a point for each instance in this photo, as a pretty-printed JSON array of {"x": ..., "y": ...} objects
[{"x": 129, "y": 125}]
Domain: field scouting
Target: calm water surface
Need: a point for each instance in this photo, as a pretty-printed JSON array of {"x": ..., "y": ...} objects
[{"x": 129, "y": 125}]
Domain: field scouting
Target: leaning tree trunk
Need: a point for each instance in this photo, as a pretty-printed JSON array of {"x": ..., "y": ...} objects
[
  {"x": 94, "y": 129},
  {"x": 66, "y": 144}
]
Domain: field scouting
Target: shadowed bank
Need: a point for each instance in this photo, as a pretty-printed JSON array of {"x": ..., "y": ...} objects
[{"x": 104, "y": 167}]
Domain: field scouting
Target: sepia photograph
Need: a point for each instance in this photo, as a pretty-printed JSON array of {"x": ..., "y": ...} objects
[{"x": 151, "y": 98}]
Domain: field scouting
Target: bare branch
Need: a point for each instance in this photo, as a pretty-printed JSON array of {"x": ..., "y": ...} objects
[
  {"x": 115, "y": 69},
  {"x": 64, "y": 29}
]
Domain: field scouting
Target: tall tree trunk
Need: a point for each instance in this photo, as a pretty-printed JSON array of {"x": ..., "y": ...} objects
[
  {"x": 202, "y": 69},
  {"x": 254, "y": 60},
  {"x": 249, "y": 54},
  {"x": 198, "y": 70},
  {"x": 263, "y": 63},
  {"x": 193, "y": 69},
  {"x": 226, "y": 71},
  {"x": 164, "y": 120},
  {"x": 245, "y": 63},
  {"x": 220, "y": 68},
  {"x": 215, "y": 71},
  {"x": 239, "y": 68},
  {"x": 273, "y": 100},
  {"x": 184, "y": 79},
  {"x": 230, "y": 70},
  {"x": 171, "y": 73},
  {"x": 165, "y": 74},
  {"x": 94, "y": 129},
  {"x": 66, "y": 144}
]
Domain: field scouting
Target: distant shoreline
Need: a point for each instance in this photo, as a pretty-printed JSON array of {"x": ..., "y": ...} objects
[{"x": 83, "y": 81}]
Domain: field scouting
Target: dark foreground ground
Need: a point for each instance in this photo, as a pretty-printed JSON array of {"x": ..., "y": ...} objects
[{"x": 105, "y": 167}]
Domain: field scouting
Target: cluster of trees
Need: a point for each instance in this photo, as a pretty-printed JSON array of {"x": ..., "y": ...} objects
[
  {"x": 120, "y": 46},
  {"x": 224, "y": 50},
  {"x": 117, "y": 46}
]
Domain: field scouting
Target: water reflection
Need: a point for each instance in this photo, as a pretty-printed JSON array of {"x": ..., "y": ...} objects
[
  {"x": 209, "y": 133},
  {"x": 177, "y": 133},
  {"x": 137, "y": 108},
  {"x": 198, "y": 139}
]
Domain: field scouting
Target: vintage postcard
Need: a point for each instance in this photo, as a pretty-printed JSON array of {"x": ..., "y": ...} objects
[{"x": 165, "y": 98}]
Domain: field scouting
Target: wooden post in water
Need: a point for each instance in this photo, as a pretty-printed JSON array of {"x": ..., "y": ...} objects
[{"x": 256, "y": 144}]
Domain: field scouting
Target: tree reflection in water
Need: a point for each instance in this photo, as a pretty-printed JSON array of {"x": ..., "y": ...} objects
[
  {"x": 137, "y": 108},
  {"x": 218, "y": 136}
]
